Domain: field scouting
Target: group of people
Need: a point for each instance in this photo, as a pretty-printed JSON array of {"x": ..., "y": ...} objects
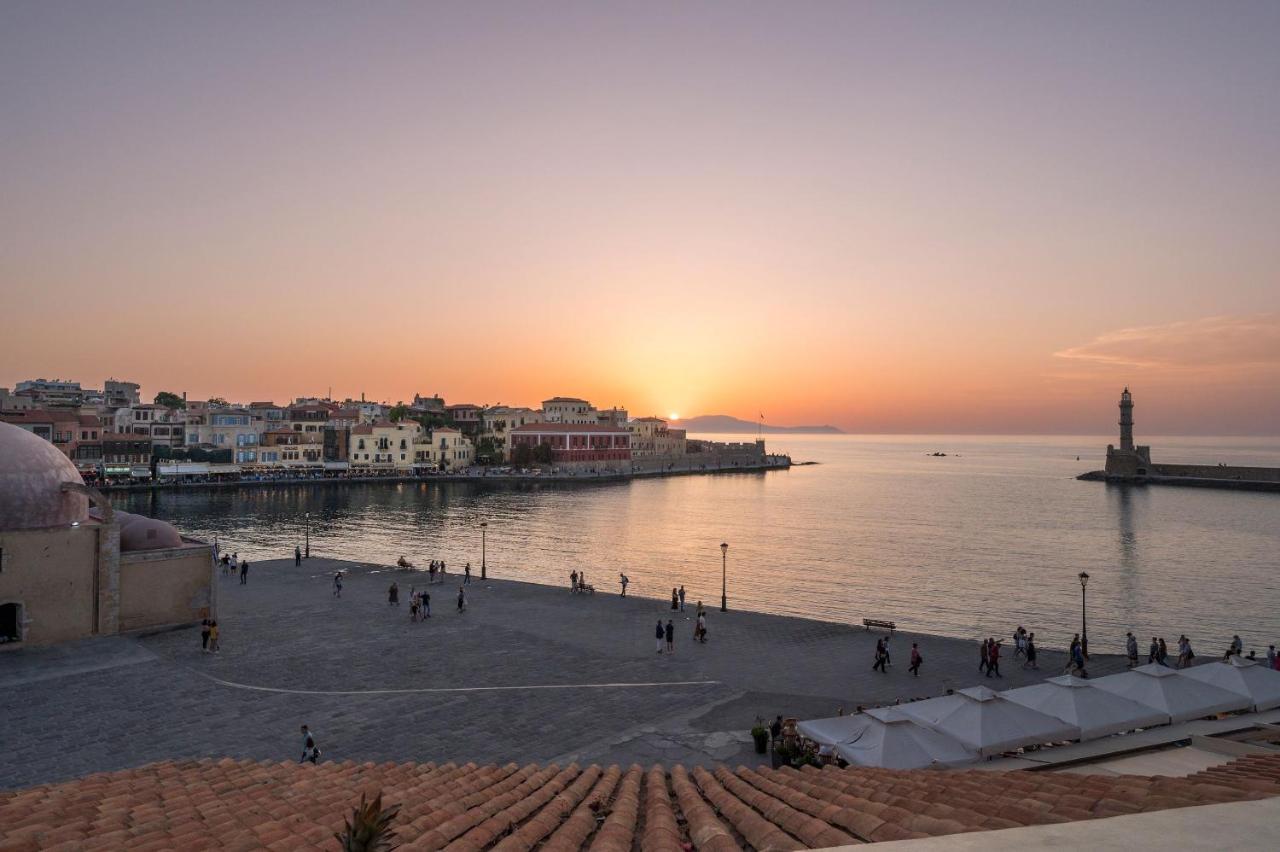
[
  {"x": 677, "y": 599},
  {"x": 231, "y": 565},
  {"x": 578, "y": 583},
  {"x": 884, "y": 660},
  {"x": 419, "y": 601},
  {"x": 434, "y": 567}
]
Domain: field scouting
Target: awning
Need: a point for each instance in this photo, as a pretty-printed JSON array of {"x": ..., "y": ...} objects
[
  {"x": 1250, "y": 678},
  {"x": 1170, "y": 691},
  {"x": 985, "y": 722},
  {"x": 891, "y": 740},
  {"x": 336, "y": 465},
  {"x": 1095, "y": 712}
]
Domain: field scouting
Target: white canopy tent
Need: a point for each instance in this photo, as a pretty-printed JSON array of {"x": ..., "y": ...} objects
[
  {"x": 1258, "y": 683},
  {"x": 836, "y": 729},
  {"x": 983, "y": 721},
  {"x": 891, "y": 740},
  {"x": 1171, "y": 692},
  {"x": 1095, "y": 712}
]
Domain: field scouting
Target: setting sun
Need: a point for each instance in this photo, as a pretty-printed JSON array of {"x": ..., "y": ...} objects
[{"x": 674, "y": 416}]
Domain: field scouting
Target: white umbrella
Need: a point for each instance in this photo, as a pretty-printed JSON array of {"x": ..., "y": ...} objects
[
  {"x": 1169, "y": 691},
  {"x": 1095, "y": 712},
  {"x": 891, "y": 740},
  {"x": 981, "y": 720},
  {"x": 1258, "y": 683}
]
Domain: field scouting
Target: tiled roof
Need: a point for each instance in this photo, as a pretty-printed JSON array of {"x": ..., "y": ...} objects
[{"x": 246, "y": 804}]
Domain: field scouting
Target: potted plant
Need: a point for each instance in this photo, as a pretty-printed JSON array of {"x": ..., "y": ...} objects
[{"x": 761, "y": 735}]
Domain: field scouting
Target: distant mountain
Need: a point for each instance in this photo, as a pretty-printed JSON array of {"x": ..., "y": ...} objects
[{"x": 725, "y": 423}]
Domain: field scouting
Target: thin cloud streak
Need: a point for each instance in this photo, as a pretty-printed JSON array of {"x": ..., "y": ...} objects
[{"x": 1220, "y": 342}]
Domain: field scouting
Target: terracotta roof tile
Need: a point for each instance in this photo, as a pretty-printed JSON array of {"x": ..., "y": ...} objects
[{"x": 229, "y": 804}]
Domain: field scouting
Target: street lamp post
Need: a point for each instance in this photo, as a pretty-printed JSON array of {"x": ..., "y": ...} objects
[
  {"x": 307, "y": 551},
  {"x": 484, "y": 525},
  {"x": 724, "y": 597},
  {"x": 1084, "y": 623}
]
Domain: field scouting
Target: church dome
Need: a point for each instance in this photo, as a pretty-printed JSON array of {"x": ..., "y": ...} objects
[{"x": 32, "y": 471}]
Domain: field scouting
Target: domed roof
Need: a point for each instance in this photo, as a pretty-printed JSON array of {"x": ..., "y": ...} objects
[
  {"x": 138, "y": 532},
  {"x": 32, "y": 471}
]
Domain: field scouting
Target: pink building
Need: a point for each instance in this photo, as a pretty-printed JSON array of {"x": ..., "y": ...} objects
[{"x": 576, "y": 442}]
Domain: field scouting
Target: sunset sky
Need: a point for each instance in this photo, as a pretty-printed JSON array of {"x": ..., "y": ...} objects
[{"x": 915, "y": 217}]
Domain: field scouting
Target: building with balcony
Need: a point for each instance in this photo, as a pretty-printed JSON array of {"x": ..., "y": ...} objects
[
  {"x": 445, "y": 449},
  {"x": 383, "y": 446},
  {"x": 651, "y": 436},
  {"x": 289, "y": 449},
  {"x": 568, "y": 409}
]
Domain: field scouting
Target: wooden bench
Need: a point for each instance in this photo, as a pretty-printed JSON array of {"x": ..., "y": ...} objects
[
  {"x": 586, "y": 589},
  {"x": 869, "y": 623}
]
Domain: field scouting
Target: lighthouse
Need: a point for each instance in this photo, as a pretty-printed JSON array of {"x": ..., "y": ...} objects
[{"x": 1126, "y": 420}]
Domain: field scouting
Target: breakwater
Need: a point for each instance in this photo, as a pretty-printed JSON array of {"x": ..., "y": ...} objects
[{"x": 1196, "y": 476}]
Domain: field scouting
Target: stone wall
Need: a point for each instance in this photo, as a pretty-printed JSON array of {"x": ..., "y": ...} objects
[
  {"x": 167, "y": 587},
  {"x": 1210, "y": 471},
  {"x": 50, "y": 572}
]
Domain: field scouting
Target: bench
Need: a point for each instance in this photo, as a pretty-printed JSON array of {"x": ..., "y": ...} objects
[
  {"x": 869, "y": 623},
  {"x": 585, "y": 589}
]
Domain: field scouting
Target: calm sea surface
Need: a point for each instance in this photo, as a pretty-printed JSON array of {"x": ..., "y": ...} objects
[{"x": 972, "y": 544}]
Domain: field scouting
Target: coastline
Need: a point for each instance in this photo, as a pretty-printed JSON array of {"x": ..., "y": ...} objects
[
  {"x": 769, "y": 464},
  {"x": 1183, "y": 482}
]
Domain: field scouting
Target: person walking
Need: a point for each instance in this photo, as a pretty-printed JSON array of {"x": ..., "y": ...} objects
[
  {"x": 204, "y": 636},
  {"x": 1019, "y": 636},
  {"x": 888, "y": 660},
  {"x": 573, "y": 581},
  {"x": 916, "y": 660},
  {"x": 1162, "y": 653},
  {"x": 675, "y": 599},
  {"x": 984, "y": 656},
  {"x": 214, "y": 644},
  {"x": 1271, "y": 656},
  {"x": 466, "y": 574},
  {"x": 1077, "y": 660},
  {"x": 337, "y": 584},
  {"x": 413, "y": 609},
  {"x": 670, "y": 633},
  {"x": 700, "y": 628},
  {"x": 1153, "y": 651},
  {"x": 244, "y": 573},
  {"x": 993, "y": 666},
  {"x": 880, "y": 658},
  {"x": 310, "y": 751},
  {"x": 661, "y": 634},
  {"x": 462, "y": 600},
  {"x": 297, "y": 555},
  {"x": 1031, "y": 653},
  {"x": 393, "y": 595},
  {"x": 623, "y": 579},
  {"x": 682, "y": 598},
  {"x": 424, "y": 604},
  {"x": 1131, "y": 649},
  {"x": 1071, "y": 653}
]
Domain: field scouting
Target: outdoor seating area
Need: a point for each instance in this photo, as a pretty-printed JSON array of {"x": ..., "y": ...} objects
[{"x": 972, "y": 724}]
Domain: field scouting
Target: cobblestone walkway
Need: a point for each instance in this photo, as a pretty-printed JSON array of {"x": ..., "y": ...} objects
[{"x": 527, "y": 673}]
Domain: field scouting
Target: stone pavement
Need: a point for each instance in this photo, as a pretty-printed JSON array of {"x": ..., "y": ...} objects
[{"x": 527, "y": 673}]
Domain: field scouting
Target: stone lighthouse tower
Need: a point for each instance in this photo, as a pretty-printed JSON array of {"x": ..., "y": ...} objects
[{"x": 1126, "y": 421}]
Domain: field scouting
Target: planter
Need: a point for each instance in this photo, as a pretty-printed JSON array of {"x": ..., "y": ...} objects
[{"x": 762, "y": 741}]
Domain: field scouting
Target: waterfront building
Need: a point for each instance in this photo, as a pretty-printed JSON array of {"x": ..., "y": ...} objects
[
  {"x": 310, "y": 418},
  {"x": 445, "y": 448},
  {"x": 291, "y": 449},
  {"x": 568, "y": 409},
  {"x": 465, "y": 416},
  {"x": 166, "y": 427},
  {"x": 77, "y": 436},
  {"x": 651, "y": 436},
  {"x": 9, "y": 401},
  {"x": 126, "y": 456},
  {"x": 576, "y": 442},
  {"x": 383, "y": 446},
  {"x": 67, "y": 573},
  {"x": 499, "y": 420},
  {"x": 612, "y": 416},
  {"x": 233, "y": 429}
]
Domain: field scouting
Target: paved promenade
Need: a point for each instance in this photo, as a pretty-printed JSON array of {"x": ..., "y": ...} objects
[{"x": 528, "y": 673}]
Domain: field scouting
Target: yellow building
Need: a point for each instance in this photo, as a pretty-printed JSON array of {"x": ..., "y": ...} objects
[
  {"x": 650, "y": 436},
  {"x": 444, "y": 449},
  {"x": 384, "y": 446}
]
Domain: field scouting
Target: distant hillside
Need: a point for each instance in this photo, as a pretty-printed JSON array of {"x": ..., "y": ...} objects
[{"x": 725, "y": 423}]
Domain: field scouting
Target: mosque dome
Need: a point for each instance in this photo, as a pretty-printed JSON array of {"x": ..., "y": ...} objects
[
  {"x": 138, "y": 532},
  {"x": 32, "y": 471}
]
